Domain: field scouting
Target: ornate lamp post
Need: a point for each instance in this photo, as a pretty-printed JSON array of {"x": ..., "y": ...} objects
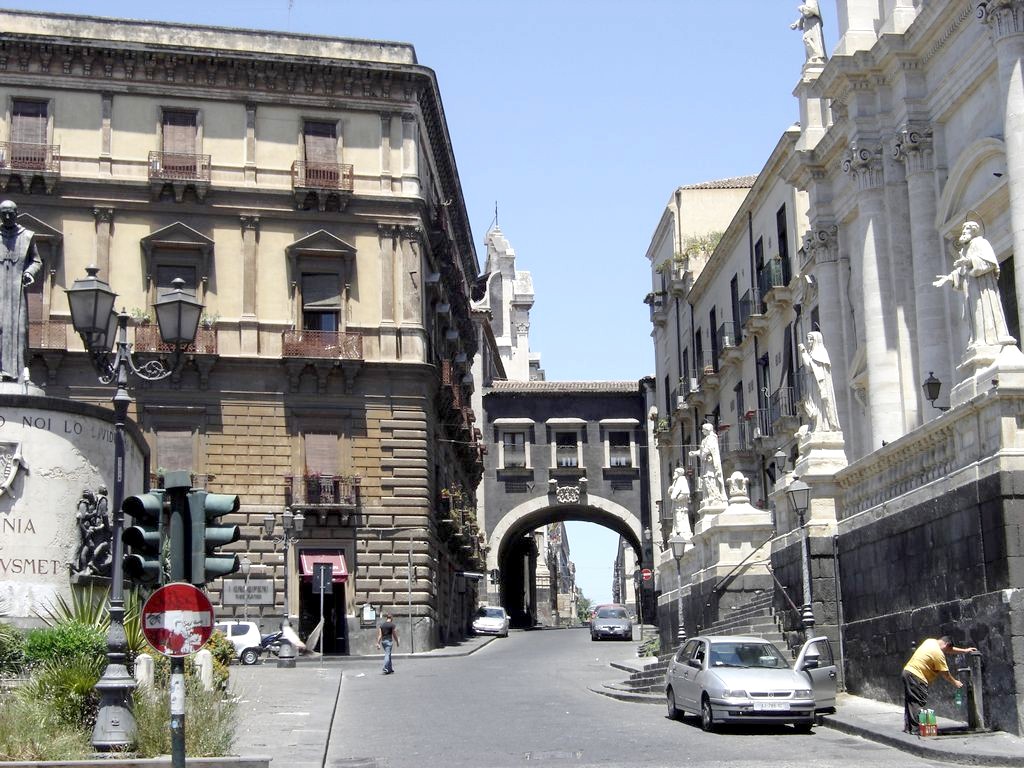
[
  {"x": 105, "y": 334},
  {"x": 244, "y": 567},
  {"x": 678, "y": 549},
  {"x": 291, "y": 526},
  {"x": 799, "y": 494}
]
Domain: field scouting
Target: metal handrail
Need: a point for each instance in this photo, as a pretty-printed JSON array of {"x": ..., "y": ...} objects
[
  {"x": 782, "y": 588},
  {"x": 741, "y": 563}
]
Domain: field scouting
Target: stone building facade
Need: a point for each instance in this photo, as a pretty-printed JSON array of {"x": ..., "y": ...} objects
[
  {"x": 907, "y": 131},
  {"x": 305, "y": 189}
]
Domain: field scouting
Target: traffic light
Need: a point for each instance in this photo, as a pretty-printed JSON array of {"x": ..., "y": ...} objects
[
  {"x": 144, "y": 565},
  {"x": 208, "y": 535}
]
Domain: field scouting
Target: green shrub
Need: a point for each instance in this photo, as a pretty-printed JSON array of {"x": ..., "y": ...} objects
[
  {"x": 221, "y": 649},
  {"x": 650, "y": 647},
  {"x": 67, "y": 686},
  {"x": 211, "y": 720},
  {"x": 29, "y": 730},
  {"x": 12, "y": 649},
  {"x": 64, "y": 641}
]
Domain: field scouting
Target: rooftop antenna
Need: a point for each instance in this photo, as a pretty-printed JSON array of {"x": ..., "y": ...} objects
[{"x": 494, "y": 221}]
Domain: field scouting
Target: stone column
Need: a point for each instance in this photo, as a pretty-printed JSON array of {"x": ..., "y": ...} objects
[
  {"x": 857, "y": 24},
  {"x": 385, "y": 152},
  {"x": 885, "y": 406},
  {"x": 1005, "y": 19},
  {"x": 250, "y": 143},
  {"x": 410, "y": 156},
  {"x": 104, "y": 229},
  {"x": 388, "y": 236},
  {"x": 248, "y": 324},
  {"x": 936, "y": 332},
  {"x": 106, "y": 113}
]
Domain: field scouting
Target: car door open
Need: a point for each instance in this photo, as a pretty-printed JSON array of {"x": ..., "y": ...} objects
[{"x": 817, "y": 662}]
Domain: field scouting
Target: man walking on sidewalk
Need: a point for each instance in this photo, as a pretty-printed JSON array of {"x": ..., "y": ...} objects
[
  {"x": 387, "y": 634},
  {"x": 927, "y": 663}
]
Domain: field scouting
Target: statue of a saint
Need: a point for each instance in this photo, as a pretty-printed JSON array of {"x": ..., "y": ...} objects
[
  {"x": 20, "y": 265},
  {"x": 809, "y": 24},
  {"x": 712, "y": 481},
  {"x": 821, "y": 401},
  {"x": 679, "y": 493},
  {"x": 976, "y": 275}
]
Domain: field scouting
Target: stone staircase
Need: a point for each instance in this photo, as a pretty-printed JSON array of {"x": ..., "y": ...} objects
[{"x": 646, "y": 676}]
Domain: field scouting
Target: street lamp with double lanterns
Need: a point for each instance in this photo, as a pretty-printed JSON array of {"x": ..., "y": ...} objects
[
  {"x": 244, "y": 567},
  {"x": 292, "y": 524},
  {"x": 105, "y": 335},
  {"x": 799, "y": 494}
]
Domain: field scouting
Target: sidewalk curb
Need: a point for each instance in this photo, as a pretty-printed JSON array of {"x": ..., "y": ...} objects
[{"x": 919, "y": 746}]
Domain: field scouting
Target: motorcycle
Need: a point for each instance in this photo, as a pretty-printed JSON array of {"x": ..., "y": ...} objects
[{"x": 271, "y": 643}]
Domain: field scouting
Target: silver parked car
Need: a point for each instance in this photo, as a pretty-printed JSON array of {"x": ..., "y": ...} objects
[
  {"x": 491, "y": 620},
  {"x": 746, "y": 679},
  {"x": 611, "y": 621}
]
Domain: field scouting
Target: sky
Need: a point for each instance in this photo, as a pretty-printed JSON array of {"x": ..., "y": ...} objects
[{"x": 574, "y": 120}]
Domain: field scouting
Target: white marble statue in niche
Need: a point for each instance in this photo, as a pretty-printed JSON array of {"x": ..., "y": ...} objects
[
  {"x": 679, "y": 493},
  {"x": 712, "y": 481},
  {"x": 820, "y": 402}
]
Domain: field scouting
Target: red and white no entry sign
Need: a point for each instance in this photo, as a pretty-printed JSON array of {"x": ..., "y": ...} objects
[
  {"x": 177, "y": 620},
  {"x": 646, "y": 574}
]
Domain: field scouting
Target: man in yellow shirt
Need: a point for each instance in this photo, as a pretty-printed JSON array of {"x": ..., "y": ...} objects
[{"x": 927, "y": 663}]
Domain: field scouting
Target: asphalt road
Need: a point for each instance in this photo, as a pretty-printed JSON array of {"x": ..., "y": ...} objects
[{"x": 523, "y": 700}]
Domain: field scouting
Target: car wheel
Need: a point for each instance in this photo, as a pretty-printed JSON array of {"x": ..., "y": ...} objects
[
  {"x": 707, "y": 716},
  {"x": 593, "y": 637},
  {"x": 249, "y": 656},
  {"x": 803, "y": 727},
  {"x": 674, "y": 713}
]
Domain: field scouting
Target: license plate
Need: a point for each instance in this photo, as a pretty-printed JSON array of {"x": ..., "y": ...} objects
[{"x": 770, "y": 706}]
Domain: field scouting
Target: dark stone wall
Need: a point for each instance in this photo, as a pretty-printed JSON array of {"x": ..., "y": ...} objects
[
  {"x": 937, "y": 568},
  {"x": 788, "y": 567}
]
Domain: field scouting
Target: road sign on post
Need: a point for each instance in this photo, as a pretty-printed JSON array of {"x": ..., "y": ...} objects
[
  {"x": 323, "y": 575},
  {"x": 143, "y": 565},
  {"x": 646, "y": 574},
  {"x": 177, "y": 620}
]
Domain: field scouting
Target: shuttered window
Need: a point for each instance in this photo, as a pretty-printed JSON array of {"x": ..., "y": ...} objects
[
  {"x": 174, "y": 450},
  {"x": 167, "y": 273},
  {"x": 321, "y": 302},
  {"x": 320, "y": 143},
  {"x": 28, "y": 122},
  {"x": 179, "y": 129},
  {"x": 321, "y": 454}
]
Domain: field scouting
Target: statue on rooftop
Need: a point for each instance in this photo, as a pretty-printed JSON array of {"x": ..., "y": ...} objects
[{"x": 809, "y": 24}]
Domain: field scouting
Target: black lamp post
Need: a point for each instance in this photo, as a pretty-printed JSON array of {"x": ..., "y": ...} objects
[
  {"x": 678, "y": 550},
  {"x": 799, "y": 494},
  {"x": 292, "y": 524},
  {"x": 105, "y": 334},
  {"x": 931, "y": 386}
]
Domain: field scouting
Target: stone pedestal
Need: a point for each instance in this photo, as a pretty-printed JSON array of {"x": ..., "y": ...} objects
[
  {"x": 821, "y": 455},
  {"x": 725, "y": 538},
  {"x": 988, "y": 369},
  {"x": 51, "y": 451}
]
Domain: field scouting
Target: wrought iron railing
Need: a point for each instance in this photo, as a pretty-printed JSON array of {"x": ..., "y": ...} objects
[
  {"x": 729, "y": 336},
  {"x": 782, "y": 404},
  {"x": 319, "y": 490},
  {"x": 770, "y": 276},
  {"x": 147, "y": 339},
  {"x": 176, "y": 166},
  {"x": 336, "y": 176},
  {"x": 47, "y": 335},
  {"x": 707, "y": 365},
  {"x": 340, "y": 345},
  {"x": 18, "y": 156},
  {"x": 751, "y": 305}
]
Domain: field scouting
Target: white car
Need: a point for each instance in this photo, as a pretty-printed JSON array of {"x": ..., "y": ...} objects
[
  {"x": 491, "y": 620},
  {"x": 245, "y": 636},
  {"x": 746, "y": 679}
]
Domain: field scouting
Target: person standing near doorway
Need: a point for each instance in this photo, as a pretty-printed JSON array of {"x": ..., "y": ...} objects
[{"x": 387, "y": 635}]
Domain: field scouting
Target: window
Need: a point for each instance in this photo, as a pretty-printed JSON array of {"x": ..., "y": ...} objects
[
  {"x": 513, "y": 446},
  {"x": 620, "y": 449},
  {"x": 28, "y": 134},
  {"x": 321, "y": 302},
  {"x": 175, "y": 450},
  {"x": 320, "y": 150},
  {"x": 179, "y": 129},
  {"x": 567, "y": 449},
  {"x": 166, "y": 274},
  {"x": 321, "y": 453}
]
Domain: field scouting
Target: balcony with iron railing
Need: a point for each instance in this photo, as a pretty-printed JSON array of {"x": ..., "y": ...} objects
[
  {"x": 147, "y": 339},
  {"x": 30, "y": 161},
  {"x": 321, "y": 492},
  {"x": 707, "y": 370},
  {"x": 773, "y": 281},
  {"x": 47, "y": 335},
  {"x": 729, "y": 337},
  {"x": 326, "y": 182},
  {"x": 659, "y": 307},
  {"x": 338, "y": 345},
  {"x": 752, "y": 312},
  {"x": 782, "y": 405}
]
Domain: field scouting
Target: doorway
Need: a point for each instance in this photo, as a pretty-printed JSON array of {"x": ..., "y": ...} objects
[{"x": 335, "y": 633}]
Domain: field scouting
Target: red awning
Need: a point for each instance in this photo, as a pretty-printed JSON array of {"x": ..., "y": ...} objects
[{"x": 333, "y": 556}]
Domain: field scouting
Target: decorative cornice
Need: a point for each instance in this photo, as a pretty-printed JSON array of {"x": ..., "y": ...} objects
[
  {"x": 913, "y": 146},
  {"x": 865, "y": 165},
  {"x": 1003, "y": 17}
]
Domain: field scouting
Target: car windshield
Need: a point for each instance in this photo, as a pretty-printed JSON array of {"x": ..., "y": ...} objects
[
  {"x": 747, "y": 654},
  {"x": 612, "y": 613},
  {"x": 492, "y": 613}
]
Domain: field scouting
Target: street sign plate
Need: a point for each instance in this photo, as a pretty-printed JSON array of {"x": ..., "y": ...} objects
[
  {"x": 647, "y": 574},
  {"x": 177, "y": 620},
  {"x": 323, "y": 576}
]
